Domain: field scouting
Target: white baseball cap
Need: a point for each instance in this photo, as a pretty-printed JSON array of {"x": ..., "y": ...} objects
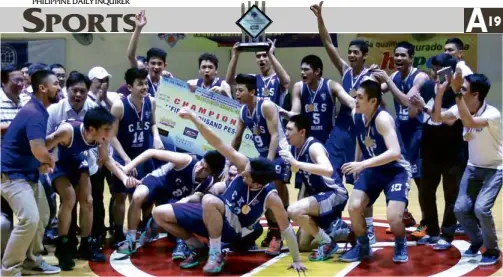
[{"x": 98, "y": 72}]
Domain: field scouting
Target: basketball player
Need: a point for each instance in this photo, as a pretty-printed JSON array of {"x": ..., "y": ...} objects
[
  {"x": 315, "y": 96},
  {"x": 404, "y": 83},
  {"x": 230, "y": 216},
  {"x": 181, "y": 176},
  {"x": 383, "y": 168},
  {"x": 272, "y": 81},
  {"x": 208, "y": 66},
  {"x": 136, "y": 132},
  {"x": 73, "y": 138},
  {"x": 324, "y": 199},
  {"x": 261, "y": 117}
]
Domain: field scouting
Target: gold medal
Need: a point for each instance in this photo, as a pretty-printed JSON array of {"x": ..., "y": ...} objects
[
  {"x": 369, "y": 142},
  {"x": 265, "y": 93},
  {"x": 245, "y": 209},
  {"x": 256, "y": 130},
  {"x": 310, "y": 108},
  {"x": 468, "y": 136},
  {"x": 352, "y": 93}
]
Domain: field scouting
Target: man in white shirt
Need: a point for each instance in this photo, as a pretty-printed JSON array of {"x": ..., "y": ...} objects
[
  {"x": 11, "y": 97},
  {"x": 483, "y": 176}
]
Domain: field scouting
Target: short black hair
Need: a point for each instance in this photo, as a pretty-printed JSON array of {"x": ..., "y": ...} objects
[
  {"x": 314, "y": 62},
  {"x": 302, "y": 122},
  {"x": 57, "y": 65},
  {"x": 361, "y": 44},
  {"x": 215, "y": 161},
  {"x": 208, "y": 57},
  {"x": 27, "y": 65},
  {"x": 156, "y": 53},
  {"x": 479, "y": 83},
  {"x": 411, "y": 50},
  {"x": 444, "y": 60},
  {"x": 6, "y": 70},
  {"x": 34, "y": 67},
  {"x": 250, "y": 81},
  {"x": 39, "y": 77},
  {"x": 135, "y": 73},
  {"x": 76, "y": 77},
  {"x": 372, "y": 90},
  {"x": 98, "y": 116},
  {"x": 456, "y": 41},
  {"x": 262, "y": 171}
]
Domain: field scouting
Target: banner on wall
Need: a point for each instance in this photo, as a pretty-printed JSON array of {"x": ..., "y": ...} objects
[
  {"x": 282, "y": 40},
  {"x": 19, "y": 52},
  {"x": 219, "y": 112},
  {"x": 381, "y": 48}
]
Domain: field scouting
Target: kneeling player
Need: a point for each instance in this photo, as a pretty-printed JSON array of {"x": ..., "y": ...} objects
[
  {"x": 73, "y": 138},
  {"x": 232, "y": 215},
  {"x": 181, "y": 176},
  {"x": 383, "y": 169},
  {"x": 325, "y": 199}
]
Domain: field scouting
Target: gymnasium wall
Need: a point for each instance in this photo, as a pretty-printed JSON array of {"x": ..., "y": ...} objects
[{"x": 109, "y": 51}]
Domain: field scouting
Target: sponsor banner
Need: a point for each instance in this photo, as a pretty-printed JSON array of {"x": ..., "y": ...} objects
[
  {"x": 220, "y": 113},
  {"x": 382, "y": 46},
  {"x": 282, "y": 40}
]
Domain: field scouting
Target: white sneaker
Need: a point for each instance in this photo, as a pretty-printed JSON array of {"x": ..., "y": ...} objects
[{"x": 42, "y": 268}]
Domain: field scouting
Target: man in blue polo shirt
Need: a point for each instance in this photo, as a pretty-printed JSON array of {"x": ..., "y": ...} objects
[{"x": 23, "y": 155}]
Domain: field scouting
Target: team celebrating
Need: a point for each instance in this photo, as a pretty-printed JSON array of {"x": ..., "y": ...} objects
[{"x": 67, "y": 134}]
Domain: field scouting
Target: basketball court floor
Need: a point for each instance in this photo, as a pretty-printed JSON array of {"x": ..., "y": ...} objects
[{"x": 423, "y": 260}]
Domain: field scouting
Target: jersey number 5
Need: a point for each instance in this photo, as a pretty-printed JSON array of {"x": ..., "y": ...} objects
[{"x": 316, "y": 118}]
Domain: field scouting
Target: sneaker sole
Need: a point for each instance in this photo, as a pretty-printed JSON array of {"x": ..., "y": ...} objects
[
  {"x": 486, "y": 264},
  {"x": 176, "y": 258},
  {"x": 400, "y": 261},
  {"x": 192, "y": 265},
  {"x": 39, "y": 272},
  {"x": 217, "y": 269}
]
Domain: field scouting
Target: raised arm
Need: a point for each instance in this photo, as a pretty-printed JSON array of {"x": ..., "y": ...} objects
[
  {"x": 437, "y": 115},
  {"x": 332, "y": 52},
  {"x": 226, "y": 150},
  {"x": 231, "y": 69},
  {"x": 283, "y": 76},
  {"x": 140, "y": 22}
]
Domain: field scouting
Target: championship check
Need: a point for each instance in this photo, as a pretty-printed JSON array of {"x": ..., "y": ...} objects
[{"x": 217, "y": 111}]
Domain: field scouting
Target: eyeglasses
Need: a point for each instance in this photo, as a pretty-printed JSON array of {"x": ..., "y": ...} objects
[{"x": 17, "y": 80}]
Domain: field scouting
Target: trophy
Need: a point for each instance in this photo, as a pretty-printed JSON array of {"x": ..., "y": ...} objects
[{"x": 253, "y": 23}]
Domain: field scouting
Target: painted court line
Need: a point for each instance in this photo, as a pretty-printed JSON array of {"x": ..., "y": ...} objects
[{"x": 266, "y": 264}]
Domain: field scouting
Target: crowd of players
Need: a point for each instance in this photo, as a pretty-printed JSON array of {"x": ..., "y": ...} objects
[{"x": 68, "y": 134}]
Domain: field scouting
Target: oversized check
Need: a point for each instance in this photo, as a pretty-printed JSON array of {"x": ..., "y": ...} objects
[{"x": 219, "y": 112}]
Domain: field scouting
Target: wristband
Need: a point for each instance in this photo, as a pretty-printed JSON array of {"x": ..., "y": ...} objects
[{"x": 291, "y": 240}]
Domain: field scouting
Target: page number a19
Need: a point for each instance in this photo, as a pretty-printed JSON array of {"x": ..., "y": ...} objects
[{"x": 487, "y": 20}]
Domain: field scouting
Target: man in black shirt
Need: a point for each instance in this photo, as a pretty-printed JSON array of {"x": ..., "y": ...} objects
[{"x": 442, "y": 151}]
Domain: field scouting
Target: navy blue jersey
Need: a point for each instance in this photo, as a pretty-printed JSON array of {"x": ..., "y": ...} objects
[
  {"x": 78, "y": 143},
  {"x": 319, "y": 107},
  {"x": 135, "y": 129},
  {"x": 181, "y": 183},
  {"x": 404, "y": 84},
  {"x": 349, "y": 83},
  {"x": 314, "y": 183},
  {"x": 216, "y": 82},
  {"x": 236, "y": 196},
  {"x": 378, "y": 144},
  {"x": 152, "y": 88},
  {"x": 257, "y": 124},
  {"x": 273, "y": 85}
]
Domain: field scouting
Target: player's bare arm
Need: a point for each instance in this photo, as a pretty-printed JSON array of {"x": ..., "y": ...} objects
[
  {"x": 109, "y": 163},
  {"x": 238, "y": 137},
  {"x": 283, "y": 76},
  {"x": 339, "y": 92},
  {"x": 271, "y": 115},
  {"x": 226, "y": 150},
  {"x": 118, "y": 111},
  {"x": 155, "y": 132},
  {"x": 179, "y": 160},
  {"x": 140, "y": 21},
  {"x": 274, "y": 203},
  {"x": 231, "y": 69},
  {"x": 383, "y": 77},
  {"x": 332, "y": 52},
  {"x": 63, "y": 135},
  {"x": 321, "y": 165}
]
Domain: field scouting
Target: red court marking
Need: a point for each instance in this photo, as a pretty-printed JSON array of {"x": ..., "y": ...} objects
[{"x": 423, "y": 261}]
